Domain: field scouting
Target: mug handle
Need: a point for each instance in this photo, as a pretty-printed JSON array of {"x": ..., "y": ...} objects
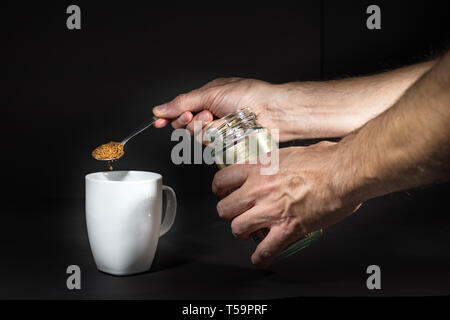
[{"x": 170, "y": 211}]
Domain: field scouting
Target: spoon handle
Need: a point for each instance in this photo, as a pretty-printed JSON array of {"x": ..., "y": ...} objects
[{"x": 139, "y": 129}]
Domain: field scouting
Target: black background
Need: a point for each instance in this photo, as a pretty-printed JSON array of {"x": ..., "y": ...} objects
[{"x": 64, "y": 92}]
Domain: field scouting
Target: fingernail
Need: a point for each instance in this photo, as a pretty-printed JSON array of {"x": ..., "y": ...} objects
[
  {"x": 159, "y": 110},
  {"x": 204, "y": 117},
  {"x": 160, "y": 123},
  {"x": 185, "y": 118}
]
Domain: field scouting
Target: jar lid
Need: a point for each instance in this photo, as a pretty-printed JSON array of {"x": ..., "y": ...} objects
[{"x": 232, "y": 127}]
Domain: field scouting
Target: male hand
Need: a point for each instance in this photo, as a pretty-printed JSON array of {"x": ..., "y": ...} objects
[
  {"x": 225, "y": 95},
  {"x": 308, "y": 193},
  {"x": 300, "y": 110}
]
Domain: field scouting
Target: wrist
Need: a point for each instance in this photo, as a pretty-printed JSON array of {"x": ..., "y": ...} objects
[
  {"x": 322, "y": 109},
  {"x": 348, "y": 173}
]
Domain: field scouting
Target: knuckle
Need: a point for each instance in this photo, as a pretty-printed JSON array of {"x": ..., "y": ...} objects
[
  {"x": 291, "y": 228},
  {"x": 220, "y": 207},
  {"x": 217, "y": 182},
  {"x": 265, "y": 254},
  {"x": 219, "y": 80},
  {"x": 183, "y": 119},
  {"x": 176, "y": 124},
  {"x": 180, "y": 100},
  {"x": 296, "y": 181},
  {"x": 294, "y": 227},
  {"x": 237, "y": 230}
]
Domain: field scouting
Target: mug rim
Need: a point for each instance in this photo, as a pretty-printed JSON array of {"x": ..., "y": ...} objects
[{"x": 153, "y": 176}]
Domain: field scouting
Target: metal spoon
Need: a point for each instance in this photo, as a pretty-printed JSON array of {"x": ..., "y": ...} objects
[{"x": 146, "y": 124}]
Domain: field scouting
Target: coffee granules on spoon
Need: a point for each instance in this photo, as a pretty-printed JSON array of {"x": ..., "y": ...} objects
[{"x": 108, "y": 151}]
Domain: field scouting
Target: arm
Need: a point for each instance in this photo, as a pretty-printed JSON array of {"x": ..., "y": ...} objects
[
  {"x": 406, "y": 146},
  {"x": 316, "y": 186},
  {"x": 337, "y": 107},
  {"x": 300, "y": 110}
]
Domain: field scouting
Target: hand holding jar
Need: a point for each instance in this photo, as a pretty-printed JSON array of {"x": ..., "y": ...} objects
[{"x": 304, "y": 196}]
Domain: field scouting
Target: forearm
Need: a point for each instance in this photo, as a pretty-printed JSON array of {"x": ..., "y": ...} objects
[
  {"x": 335, "y": 108},
  {"x": 406, "y": 146}
]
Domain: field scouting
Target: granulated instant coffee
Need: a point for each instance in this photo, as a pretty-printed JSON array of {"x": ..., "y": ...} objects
[{"x": 108, "y": 151}]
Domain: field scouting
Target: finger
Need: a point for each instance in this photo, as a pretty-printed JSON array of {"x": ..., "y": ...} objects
[
  {"x": 182, "y": 120},
  {"x": 254, "y": 219},
  {"x": 161, "y": 123},
  {"x": 229, "y": 178},
  {"x": 271, "y": 246},
  {"x": 192, "y": 101},
  {"x": 202, "y": 117},
  {"x": 210, "y": 135},
  {"x": 235, "y": 203}
]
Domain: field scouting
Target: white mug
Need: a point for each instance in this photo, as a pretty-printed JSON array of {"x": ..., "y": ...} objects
[{"x": 123, "y": 216}]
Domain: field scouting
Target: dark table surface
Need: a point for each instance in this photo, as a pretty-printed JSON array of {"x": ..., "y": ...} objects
[{"x": 406, "y": 234}]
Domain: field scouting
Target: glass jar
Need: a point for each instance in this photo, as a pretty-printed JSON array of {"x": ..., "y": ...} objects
[{"x": 237, "y": 138}]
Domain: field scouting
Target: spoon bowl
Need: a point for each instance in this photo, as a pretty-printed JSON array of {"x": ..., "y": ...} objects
[{"x": 146, "y": 124}]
